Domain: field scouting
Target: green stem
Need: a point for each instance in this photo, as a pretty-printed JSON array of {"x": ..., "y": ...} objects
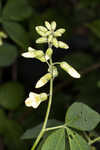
[
  {"x": 95, "y": 140},
  {"x": 53, "y": 128},
  {"x": 48, "y": 110}
]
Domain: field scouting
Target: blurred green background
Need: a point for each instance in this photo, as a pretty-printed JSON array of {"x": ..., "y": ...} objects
[{"x": 18, "y": 76}]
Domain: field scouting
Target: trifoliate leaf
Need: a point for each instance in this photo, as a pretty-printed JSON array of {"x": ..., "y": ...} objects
[{"x": 82, "y": 117}]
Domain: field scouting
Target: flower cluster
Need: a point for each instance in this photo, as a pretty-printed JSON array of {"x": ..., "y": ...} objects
[{"x": 49, "y": 35}]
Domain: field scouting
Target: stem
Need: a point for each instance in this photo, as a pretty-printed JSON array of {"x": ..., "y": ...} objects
[
  {"x": 56, "y": 63},
  {"x": 53, "y": 128},
  {"x": 95, "y": 140},
  {"x": 48, "y": 110}
]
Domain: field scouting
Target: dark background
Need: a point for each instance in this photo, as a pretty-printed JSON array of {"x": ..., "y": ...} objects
[{"x": 18, "y": 76}]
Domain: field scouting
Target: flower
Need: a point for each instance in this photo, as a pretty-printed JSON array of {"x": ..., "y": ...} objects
[
  {"x": 69, "y": 69},
  {"x": 33, "y": 53},
  {"x": 35, "y": 99}
]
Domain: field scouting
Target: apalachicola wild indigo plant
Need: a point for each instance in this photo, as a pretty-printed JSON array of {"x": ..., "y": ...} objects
[{"x": 50, "y": 35}]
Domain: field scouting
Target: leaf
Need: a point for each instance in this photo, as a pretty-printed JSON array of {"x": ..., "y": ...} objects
[
  {"x": 11, "y": 95},
  {"x": 76, "y": 141},
  {"x": 82, "y": 117},
  {"x": 16, "y": 32},
  {"x": 33, "y": 132},
  {"x": 2, "y": 121},
  {"x": 12, "y": 134},
  {"x": 8, "y": 54},
  {"x": 95, "y": 27},
  {"x": 17, "y": 10},
  {"x": 56, "y": 140}
]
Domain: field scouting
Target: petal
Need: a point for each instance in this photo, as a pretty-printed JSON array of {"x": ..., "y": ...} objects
[
  {"x": 32, "y": 95},
  {"x": 28, "y": 102},
  {"x": 35, "y": 103}
]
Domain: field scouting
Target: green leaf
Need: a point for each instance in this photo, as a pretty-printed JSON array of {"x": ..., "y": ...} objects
[
  {"x": 56, "y": 140},
  {"x": 2, "y": 121},
  {"x": 76, "y": 141},
  {"x": 17, "y": 33},
  {"x": 33, "y": 132},
  {"x": 17, "y": 10},
  {"x": 95, "y": 27},
  {"x": 11, "y": 95},
  {"x": 12, "y": 135},
  {"x": 8, "y": 54},
  {"x": 82, "y": 117}
]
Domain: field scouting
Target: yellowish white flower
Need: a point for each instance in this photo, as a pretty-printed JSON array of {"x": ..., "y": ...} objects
[
  {"x": 41, "y": 30},
  {"x": 59, "y": 32},
  {"x": 30, "y": 54},
  {"x": 35, "y": 99},
  {"x": 50, "y": 38},
  {"x": 55, "y": 42},
  {"x": 41, "y": 40},
  {"x": 63, "y": 45},
  {"x": 43, "y": 80},
  {"x": 69, "y": 69},
  {"x": 33, "y": 53},
  {"x": 55, "y": 71},
  {"x": 53, "y": 25},
  {"x": 48, "y": 53},
  {"x": 48, "y": 25}
]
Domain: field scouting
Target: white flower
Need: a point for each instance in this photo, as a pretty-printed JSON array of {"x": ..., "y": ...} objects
[
  {"x": 43, "y": 80},
  {"x": 30, "y": 54},
  {"x": 69, "y": 69},
  {"x": 35, "y": 99}
]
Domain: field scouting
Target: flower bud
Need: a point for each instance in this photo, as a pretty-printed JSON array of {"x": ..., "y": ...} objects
[
  {"x": 48, "y": 53},
  {"x": 63, "y": 45},
  {"x": 47, "y": 24},
  {"x": 55, "y": 72},
  {"x": 40, "y": 56},
  {"x": 43, "y": 80},
  {"x": 41, "y": 30},
  {"x": 3, "y": 35},
  {"x": 30, "y": 54},
  {"x": 55, "y": 42},
  {"x": 50, "y": 38},
  {"x": 41, "y": 40},
  {"x": 53, "y": 25},
  {"x": 59, "y": 32},
  {"x": 69, "y": 69}
]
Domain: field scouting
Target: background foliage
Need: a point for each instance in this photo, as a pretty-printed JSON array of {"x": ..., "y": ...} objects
[{"x": 81, "y": 18}]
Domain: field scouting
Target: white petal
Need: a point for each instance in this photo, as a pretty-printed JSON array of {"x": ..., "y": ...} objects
[
  {"x": 28, "y": 102},
  {"x": 35, "y": 103}
]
